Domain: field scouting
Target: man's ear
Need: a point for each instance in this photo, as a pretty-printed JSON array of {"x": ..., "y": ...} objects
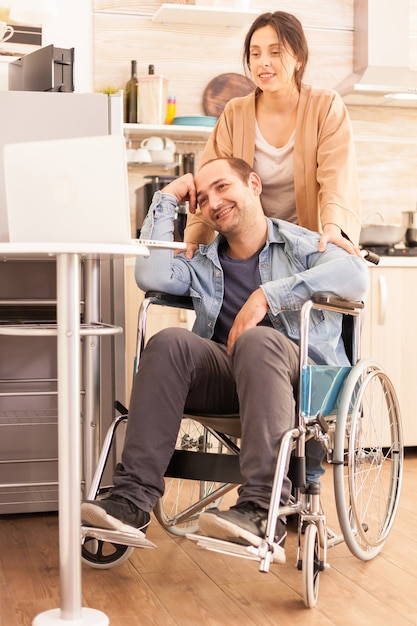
[{"x": 256, "y": 183}]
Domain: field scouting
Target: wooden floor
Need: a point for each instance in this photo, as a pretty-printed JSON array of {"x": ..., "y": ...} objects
[{"x": 183, "y": 585}]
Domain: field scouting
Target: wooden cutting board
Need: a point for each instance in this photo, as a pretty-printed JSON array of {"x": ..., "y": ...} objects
[{"x": 222, "y": 89}]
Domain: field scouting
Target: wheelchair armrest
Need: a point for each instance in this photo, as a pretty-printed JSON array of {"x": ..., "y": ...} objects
[
  {"x": 167, "y": 299},
  {"x": 330, "y": 301}
]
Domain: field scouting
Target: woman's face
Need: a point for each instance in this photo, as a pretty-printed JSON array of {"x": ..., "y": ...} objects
[{"x": 272, "y": 65}]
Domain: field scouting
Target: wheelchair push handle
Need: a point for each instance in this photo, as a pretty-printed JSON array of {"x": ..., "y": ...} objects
[{"x": 371, "y": 257}]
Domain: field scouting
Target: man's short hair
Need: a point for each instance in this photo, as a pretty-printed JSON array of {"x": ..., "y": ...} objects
[{"x": 239, "y": 166}]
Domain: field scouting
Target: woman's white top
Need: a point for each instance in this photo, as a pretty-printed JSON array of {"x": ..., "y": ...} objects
[{"x": 275, "y": 166}]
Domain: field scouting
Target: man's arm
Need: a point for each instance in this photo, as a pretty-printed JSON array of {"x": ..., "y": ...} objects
[
  {"x": 163, "y": 270},
  {"x": 335, "y": 271}
]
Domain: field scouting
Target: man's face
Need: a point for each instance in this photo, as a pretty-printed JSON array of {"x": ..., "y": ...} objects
[{"x": 226, "y": 202}]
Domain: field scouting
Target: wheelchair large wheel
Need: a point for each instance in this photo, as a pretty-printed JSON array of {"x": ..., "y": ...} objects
[
  {"x": 311, "y": 566},
  {"x": 368, "y": 456},
  {"x": 104, "y": 554},
  {"x": 178, "y": 510}
]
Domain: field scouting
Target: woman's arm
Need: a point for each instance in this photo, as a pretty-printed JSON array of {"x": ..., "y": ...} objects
[{"x": 337, "y": 177}]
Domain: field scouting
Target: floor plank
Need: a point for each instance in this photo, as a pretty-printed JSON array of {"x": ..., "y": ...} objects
[{"x": 180, "y": 584}]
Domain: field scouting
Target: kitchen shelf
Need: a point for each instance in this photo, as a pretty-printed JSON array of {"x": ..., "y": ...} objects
[
  {"x": 176, "y": 131},
  {"x": 205, "y": 15}
]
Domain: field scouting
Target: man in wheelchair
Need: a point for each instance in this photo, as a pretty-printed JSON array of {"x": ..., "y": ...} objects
[{"x": 248, "y": 287}]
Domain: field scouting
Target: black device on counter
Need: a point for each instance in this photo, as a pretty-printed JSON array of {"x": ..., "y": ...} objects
[
  {"x": 46, "y": 69},
  {"x": 393, "y": 250}
]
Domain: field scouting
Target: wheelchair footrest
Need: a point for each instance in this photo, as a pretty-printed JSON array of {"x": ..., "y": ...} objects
[
  {"x": 232, "y": 549},
  {"x": 225, "y": 547},
  {"x": 116, "y": 536}
]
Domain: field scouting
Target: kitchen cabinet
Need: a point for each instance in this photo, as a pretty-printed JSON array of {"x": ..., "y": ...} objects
[{"x": 389, "y": 333}]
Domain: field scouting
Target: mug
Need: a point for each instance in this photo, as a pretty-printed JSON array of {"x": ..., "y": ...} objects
[
  {"x": 153, "y": 143},
  {"x": 6, "y": 31},
  {"x": 162, "y": 156},
  {"x": 158, "y": 143},
  {"x": 143, "y": 155},
  {"x": 169, "y": 144},
  {"x": 130, "y": 154}
]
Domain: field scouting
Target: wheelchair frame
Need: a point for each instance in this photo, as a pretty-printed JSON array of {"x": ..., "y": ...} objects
[{"x": 357, "y": 420}]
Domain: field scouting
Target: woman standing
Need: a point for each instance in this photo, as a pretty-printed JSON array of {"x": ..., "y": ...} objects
[{"x": 297, "y": 138}]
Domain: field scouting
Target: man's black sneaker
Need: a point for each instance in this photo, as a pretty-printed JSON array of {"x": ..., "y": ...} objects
[
  {"x": 244, "y": 524},
  {"x": 114, "y": 513}
]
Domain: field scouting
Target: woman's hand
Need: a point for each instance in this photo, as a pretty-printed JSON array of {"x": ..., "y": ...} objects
[
  {"x": 191, "y": 248},
  {"x": 332, "y": 234}
]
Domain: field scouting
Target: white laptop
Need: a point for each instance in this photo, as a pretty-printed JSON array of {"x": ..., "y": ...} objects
[{"x": 70, "y": 190}]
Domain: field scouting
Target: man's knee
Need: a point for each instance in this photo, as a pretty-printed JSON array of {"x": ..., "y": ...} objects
[
  {"x": 255, "y": 341},
  {"x": 168, "y": 337}
]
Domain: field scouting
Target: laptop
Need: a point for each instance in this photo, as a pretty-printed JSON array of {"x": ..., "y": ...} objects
[{"x": 70, "y": 191}]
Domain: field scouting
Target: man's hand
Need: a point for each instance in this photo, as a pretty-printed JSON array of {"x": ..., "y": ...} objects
[
  {"x": 252, "y": 312},
  {"x": 332, "y": 234},
  {"x": 183, "y": 189}
]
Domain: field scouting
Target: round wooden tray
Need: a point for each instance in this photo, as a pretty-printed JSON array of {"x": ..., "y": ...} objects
[{"x": 222, "y": 89}]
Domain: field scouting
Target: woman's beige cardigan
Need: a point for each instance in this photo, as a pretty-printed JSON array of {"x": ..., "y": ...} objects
[{"x": 325, "y": 173}]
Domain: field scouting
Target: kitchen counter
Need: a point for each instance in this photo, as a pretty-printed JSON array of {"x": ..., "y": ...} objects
[{"x": 396, "y": 261}]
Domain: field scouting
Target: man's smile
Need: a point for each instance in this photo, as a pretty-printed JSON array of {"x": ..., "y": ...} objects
[{"x": 222, "y": 212}]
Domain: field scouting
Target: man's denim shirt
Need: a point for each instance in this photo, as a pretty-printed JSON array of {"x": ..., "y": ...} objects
[{"x": 290, "y": 267}]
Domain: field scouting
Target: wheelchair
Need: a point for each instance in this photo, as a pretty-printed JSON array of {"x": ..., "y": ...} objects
[{"x": 352, "y": 411}]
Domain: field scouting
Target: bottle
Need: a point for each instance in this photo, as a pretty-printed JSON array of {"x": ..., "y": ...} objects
[
  {"x": 171, "y": 109},
  {"x": 131, "y": 96}
]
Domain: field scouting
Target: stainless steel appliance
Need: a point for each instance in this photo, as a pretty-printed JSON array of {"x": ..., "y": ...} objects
[
  {"x": 410, "y": 224},
  {"x": 46, "y": 69}
]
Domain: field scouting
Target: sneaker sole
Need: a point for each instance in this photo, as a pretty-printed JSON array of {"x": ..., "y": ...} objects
[
  {"x": 95, "y": 516},
  {"x": 212, "y": 525}
]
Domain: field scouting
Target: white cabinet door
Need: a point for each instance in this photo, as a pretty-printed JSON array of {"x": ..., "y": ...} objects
[{"x": 389, "y": 335}]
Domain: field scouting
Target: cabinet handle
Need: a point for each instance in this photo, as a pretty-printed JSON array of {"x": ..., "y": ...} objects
[{"x": 383, "y": 299}]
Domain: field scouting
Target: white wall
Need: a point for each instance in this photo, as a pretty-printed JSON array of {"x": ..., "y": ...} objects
[{"x": 71, "y": 28}]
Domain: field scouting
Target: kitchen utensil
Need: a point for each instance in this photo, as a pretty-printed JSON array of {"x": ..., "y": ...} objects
[
  {"x": 222, "y": 89},
  {"x": 188, "y": 163},
  {"x": 409, "y": 218},
  {"x": 410, "y": 225},
  {"x": 381, "y": 234},
  {"x": 144, "y": 195}
]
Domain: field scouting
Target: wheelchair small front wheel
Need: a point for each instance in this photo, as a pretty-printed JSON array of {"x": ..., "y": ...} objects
[
  {"x": 368, "y": 455},
  {"x": 311, "y": 566},
  {"x": 104, "y": 554}
]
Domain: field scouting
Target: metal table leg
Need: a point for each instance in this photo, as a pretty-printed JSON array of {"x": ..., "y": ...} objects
[{"x": 69, "y": 452}]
